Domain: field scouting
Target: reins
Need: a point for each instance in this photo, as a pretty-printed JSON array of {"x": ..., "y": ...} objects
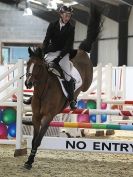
[{"x": 42, "y": 82}]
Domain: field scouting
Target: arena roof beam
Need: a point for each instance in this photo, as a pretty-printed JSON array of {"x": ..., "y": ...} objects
[
  {"x": 109, "y": 10},
  {"x": 123, "y": 35},
  {"x": 46, "y": 15},
  {"x": 42, "y": 12},
  {"x": 12, "y": 2},
  {"x": 81, "y": 16},
  {"x": 128, "y": 2}
]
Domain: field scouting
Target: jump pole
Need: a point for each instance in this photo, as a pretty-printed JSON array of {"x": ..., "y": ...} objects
[
  {"x": 91, "y": 126},
  {"x": 91, "y": 111},
  {"x": 99, "y": 112},
  {"x": 127, "y": 102}
]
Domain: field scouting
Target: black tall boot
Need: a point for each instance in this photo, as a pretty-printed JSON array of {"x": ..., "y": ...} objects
[
  {"x": 28, "y": 101},
  {"x": 70, "y": 90}
]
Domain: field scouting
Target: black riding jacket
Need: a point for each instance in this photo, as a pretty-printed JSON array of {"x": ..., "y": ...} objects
[{"x": 59, "y": 40}]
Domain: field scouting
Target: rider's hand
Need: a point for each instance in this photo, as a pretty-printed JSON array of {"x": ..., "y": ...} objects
[{"x": 57, "y": 60}]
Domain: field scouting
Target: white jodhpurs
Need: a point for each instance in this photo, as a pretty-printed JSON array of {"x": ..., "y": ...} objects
[{"x": 64, "y": 63}]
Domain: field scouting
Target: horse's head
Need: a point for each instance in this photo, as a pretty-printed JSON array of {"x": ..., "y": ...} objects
[{"x": 34, "y": 69}]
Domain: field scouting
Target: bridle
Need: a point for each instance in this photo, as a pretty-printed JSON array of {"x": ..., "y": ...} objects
[
  {"x": 29, "y": 75},
  {"x": 36, "y": 82}
]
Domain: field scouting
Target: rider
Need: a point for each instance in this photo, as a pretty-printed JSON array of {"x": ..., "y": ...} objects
[{"x": 58, "y": 44}]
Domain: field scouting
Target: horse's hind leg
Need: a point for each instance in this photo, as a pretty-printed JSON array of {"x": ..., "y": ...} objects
[{"x": 36, "y": 129}]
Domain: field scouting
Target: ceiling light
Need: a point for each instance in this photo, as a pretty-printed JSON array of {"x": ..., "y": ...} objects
[
  {"x": 35, "y": 2},
  {"x": 27, "y": 11},
  {"x": 126, "y": 3},
  {"x": 52, "y": 5},
  {"x": 59, "y": 1},
  {"x": 70, "y": 3}
]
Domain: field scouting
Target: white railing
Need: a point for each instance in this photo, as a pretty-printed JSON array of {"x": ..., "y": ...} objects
[{"x": 5, "y": 101}]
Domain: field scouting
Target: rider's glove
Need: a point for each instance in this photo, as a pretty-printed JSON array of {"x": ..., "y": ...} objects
[{"x": 57, "y": 60}]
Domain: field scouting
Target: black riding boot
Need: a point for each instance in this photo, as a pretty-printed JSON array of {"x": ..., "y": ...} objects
[
  {"x": 70, "y": 90},
  {"x": 28, "y": 101}
]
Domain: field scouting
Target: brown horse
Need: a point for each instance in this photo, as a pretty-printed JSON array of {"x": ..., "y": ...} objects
[{"x": 48, "y": 98}]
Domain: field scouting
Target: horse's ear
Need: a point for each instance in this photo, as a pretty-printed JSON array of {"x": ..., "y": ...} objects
[
  {"x": 39, "y": 52},
  {"x": 31, "y": 53}
]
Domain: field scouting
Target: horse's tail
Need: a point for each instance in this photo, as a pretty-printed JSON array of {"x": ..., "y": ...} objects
[{"x": 94, "y": 28}]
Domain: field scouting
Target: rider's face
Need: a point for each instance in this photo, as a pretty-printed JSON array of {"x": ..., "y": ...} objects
[{"x": 65, "y": 17}]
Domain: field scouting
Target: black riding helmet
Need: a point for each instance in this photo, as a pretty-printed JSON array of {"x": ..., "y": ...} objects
[{"x": 66, "y": 9}]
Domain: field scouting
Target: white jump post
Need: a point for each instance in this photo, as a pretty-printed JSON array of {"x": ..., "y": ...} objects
[
  {"x": 19, "y": 104},
  {"x": 108, "y": 91},
  {"x": 4, "y": 101},
  {"x": 99, "y": 87},
  {"x": 98, "y": 98},
  {"x": 123, "y": 84}
]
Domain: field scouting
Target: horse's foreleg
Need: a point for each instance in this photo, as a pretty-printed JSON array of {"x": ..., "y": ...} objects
[
  {"x": 36, "y": 129},
  {"x": 44, "y": 126},
  {"x": 37, "y": 141}
]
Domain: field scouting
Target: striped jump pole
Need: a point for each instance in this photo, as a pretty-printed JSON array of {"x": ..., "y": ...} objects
[
  {"x": 98, "y": 112},
  {"x": 91, "y": 111},
  {"x": 118, "y": 102},
  {"x": 128, "y": 102},
  {"x": 91, "y": 126}
]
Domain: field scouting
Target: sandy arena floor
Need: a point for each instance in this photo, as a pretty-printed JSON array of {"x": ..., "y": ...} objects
[{"x": 68, "y": 164}]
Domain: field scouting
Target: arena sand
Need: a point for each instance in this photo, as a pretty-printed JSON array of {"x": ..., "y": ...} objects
[{"x": 68, "y": 164}]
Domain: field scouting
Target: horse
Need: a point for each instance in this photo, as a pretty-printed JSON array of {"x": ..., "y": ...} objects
[{"x": 48, "y": 98}]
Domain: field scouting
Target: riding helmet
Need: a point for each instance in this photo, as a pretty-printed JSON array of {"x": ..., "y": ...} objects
[{"x": 66, "y": 9}]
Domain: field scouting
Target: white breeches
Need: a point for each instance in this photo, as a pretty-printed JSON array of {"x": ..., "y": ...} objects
[{"x": 64, "y": 63}]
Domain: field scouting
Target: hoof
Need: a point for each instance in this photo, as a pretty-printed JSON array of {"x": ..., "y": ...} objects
[
  {"x": 82, "y": 133},
  {"x": 99, "y": 133},
  {"x": 110, "y": 132},
  {"x": 68, "y": 135},
  {"x": 27, "y": 166}
]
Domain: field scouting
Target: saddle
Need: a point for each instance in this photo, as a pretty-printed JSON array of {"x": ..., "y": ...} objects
[
  {"x": 56, "y": 69},
  {"x": 58, "y": 72}
]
